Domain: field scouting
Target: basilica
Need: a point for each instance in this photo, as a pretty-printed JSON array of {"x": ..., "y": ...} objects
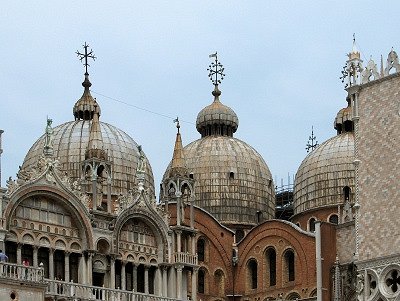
[{"x": 81, "y": 220}]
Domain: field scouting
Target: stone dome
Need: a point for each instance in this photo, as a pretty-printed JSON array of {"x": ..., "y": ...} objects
[
  {"x": 70, "y": 141},
  {"x": 217, "y": 118},
  {"x": 324, "y": 173}
]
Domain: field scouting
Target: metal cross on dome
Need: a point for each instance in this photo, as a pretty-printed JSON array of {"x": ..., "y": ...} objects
[
  {"x": 85, "y": 56},
  {"x": 216, "y": 70}
]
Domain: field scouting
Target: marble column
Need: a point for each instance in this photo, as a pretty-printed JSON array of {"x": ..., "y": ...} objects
[
  {"x": 51, "y": 264},
  {"x": 66, "y": 266},
  {"x": 194, "y": 284},
  {"x": 123, "y": 275},
  {"x": 89, "y": 268},
  {"x": 109, "y": 202},
  {"x": 19, "y": 253},
  {"x": 178, "y": 241},
  {"x": 35, "y": 256},
  {"x": 165, "y": 281},
  {"x": 158, "y": 282},
  {"x": 146, "y": 279},
  {"x": 179, "y": 269},
  {"x": 82, "y": 270},
  {"x": 112, "y": 272},
  {"x": 134, "y": 278}
]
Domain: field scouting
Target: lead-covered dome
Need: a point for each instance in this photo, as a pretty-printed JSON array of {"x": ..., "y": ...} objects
[
  {"x": 324, "y": 174},
  {"x": 233, "y": 182},
  {"x": 70, "y": 142}
]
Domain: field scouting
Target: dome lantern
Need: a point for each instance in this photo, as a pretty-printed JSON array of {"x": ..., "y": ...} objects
[
  {"x": 216, "y": 119},
  {"x": 86, "y": 107}
]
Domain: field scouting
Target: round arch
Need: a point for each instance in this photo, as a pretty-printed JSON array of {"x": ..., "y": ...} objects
[
  {"x": 151, "y": 219},
  {"x": 69, "y": 201}
]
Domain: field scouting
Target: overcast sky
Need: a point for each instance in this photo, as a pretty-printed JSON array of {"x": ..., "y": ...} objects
[{"x": 282, "y": 60}]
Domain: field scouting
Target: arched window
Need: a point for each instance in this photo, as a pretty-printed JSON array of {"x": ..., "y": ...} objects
[
  {"x": 253, "y": 274},
  {"x": 271, "y": 262},
  {"x": 200, "y": 281},
  {"x": 289, "y": 265},
  {"x": 346, "y": 193},
  {"x": 200, "y": 249},
  {"x": 334, "y": 219},
  {"x": 311, "y": 224},
  {"x": 293, "y": 296}
]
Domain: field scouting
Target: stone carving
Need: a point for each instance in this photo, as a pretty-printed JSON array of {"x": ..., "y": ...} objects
[
  {"x": 369, "y": 71},
  {"x": 11, "y": 186},
  {"x": 360, "y": 287},
  {"x": 392, "y": 62},
  {"x": 48, "y": 144}
]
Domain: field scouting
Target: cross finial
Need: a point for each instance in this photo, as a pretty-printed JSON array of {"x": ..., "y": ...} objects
[
  {"x": 177, "y": 123},
  {"x": 312, "y": 141},
  {"x": 216, "y": 70},
  {"x": 85, "y": 56}
]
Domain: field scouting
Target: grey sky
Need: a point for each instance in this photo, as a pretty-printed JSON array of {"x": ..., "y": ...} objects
[{"x": 282, "y": 60}]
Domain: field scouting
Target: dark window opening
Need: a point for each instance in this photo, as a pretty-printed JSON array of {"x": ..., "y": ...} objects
[
  {"x": 253, "y": 274},
  {"x": 200, "y": 282},
  {"x": 312, "y": 224},
  {"x": 289, "y": 257},
  {"x": 231, "y": 175},
  {"x": 200, "y": 249},
  {"x": 334, "y": 219},
  {"x": 259, "y": 216},
  {"x": 191, "y": 175},
  {"x": 346, "y": 193},
  {"x": 239, "y": 235},
  {"x": 271, "y": 259}
]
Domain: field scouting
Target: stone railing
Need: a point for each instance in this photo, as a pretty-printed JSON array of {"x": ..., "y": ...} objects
[
  {"x": 19, "y": 272},
  {"x": 87, "y": 292},
  {"x": 185, "y": 258}
]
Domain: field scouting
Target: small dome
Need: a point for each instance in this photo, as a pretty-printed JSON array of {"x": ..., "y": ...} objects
[
  {"x": 324, "y": 173},
  {"x": 344, "y": 120},
  {"x": 70, "y": 142},
  {"x": 217, "y": 118},
  {"x": 233, "y": 182}
]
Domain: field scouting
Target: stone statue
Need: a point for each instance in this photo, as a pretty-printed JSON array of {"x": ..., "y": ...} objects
[
  {"x": 141, "y": 167},
  {"x": 48, "y": 144}
]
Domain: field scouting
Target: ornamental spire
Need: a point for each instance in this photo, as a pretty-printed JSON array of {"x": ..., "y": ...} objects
[{"x": 178, "y": 166}]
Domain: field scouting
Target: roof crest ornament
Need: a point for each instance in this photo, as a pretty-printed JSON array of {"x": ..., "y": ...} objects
[
  {"x": 351, "y": 71},
  {"x": 216, "y": 72},
  {"x": 312, "y": 141},
  {"x": 85, "y": 56}
]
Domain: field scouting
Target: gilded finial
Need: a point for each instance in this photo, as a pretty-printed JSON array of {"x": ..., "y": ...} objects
[{"x": 216, "y": 70}]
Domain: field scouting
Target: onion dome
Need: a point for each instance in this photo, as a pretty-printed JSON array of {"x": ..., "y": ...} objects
[
  {"x": 344, "y": 120},
  {"x": 86, "y": 106},
  {"x": 217, "y": 118},
  {"x": 327, "y": 174}
]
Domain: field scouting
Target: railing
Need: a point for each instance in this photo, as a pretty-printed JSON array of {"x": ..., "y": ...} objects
[
  {"x": 185, "y": 258},
  {"x": 20, "y": 272},
  {"x": 87, "y": 292}
]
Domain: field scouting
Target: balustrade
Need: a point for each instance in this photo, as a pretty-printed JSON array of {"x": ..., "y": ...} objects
[
  {"x": 185, "y": 258},
  {"x": 20, "y": 272}
]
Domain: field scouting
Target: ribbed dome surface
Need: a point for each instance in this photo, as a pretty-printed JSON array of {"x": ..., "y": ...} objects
[
  {"x": 324, "y": 173},
  {"x": 217, "y": 113},
  {"x": 70, "y": 143},
  {"x": 232, "y": 180}
]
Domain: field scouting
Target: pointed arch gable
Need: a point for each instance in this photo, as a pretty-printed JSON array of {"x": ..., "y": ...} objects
[{"x": 72, "y": 204}]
